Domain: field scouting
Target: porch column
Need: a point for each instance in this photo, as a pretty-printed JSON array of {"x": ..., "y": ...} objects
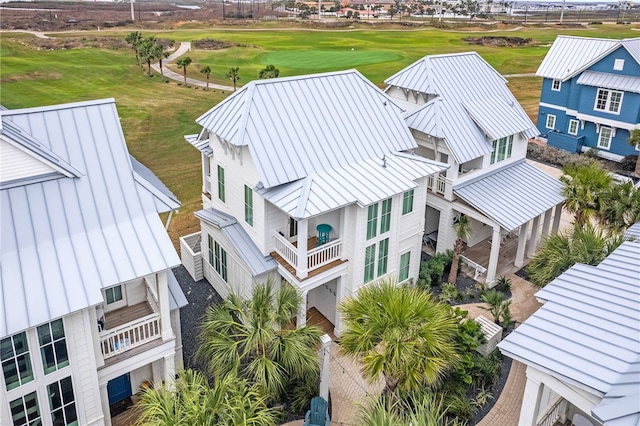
[
  {"x": 533, "y": 241},
  {"x": 325, "y": 372},
  {"x": 522, "y": 242},
  {"x": 531, "y": 403},
  {"x": 169, "y": 370},
  {"x": 493, "y": 256},
  {"x": 163, "y": 303},
  {"x": 557, "y": 215},
  {"x": 337, "y": 327},
  {"x": 104, "y": 402},
  {"x": 301, "y": 319},
  {"x": 546, "y": 223},
  {"x": 344, "y": 222},
  {"x": 303, "y": 233},
  {"x": 157, "y": 373}
]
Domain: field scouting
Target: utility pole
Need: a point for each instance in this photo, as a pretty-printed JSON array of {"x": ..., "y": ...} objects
[
  {"x": 562, "y": 11},
  {"x": 133, "y": 17}
]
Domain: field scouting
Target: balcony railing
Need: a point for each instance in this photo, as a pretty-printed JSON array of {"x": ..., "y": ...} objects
[
  {"x": 130, "y": 335},
  {"x": 316, "y": 257},
  {"x": 553, "y": 413},
  {"x": 439, "y": 184}
]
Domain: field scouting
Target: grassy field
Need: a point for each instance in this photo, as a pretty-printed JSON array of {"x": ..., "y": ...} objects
[{"x": 156, "y": 115}]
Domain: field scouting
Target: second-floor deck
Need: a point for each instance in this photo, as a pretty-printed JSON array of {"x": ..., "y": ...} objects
[{"x": 319, "y": 258}]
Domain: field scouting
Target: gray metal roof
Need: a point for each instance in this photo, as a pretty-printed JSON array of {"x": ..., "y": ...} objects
[
  {"x": 512, "y": 195},
  {"x": 244, "y": 245},
  {"x": 177, "y": 298},
  {"x": 473, "y": 103},
  {"x": 610, "y": 81},
  {"x": 164, "y": 198},
  {"x": 569, "y": 55},
  {"x": 587, "y": 333},
  {"x": 633, "y": 232},
  {"x": 300, "y": 126},
  {"x": 64, "y": 240},
  {"x": 365, "y": 182},
  {"x": 201, "y": 145}
]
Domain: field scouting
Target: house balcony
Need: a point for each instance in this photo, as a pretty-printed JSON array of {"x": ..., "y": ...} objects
[
  {"x": 437, "y": 183},
  {"x": 319, "y": 258}
]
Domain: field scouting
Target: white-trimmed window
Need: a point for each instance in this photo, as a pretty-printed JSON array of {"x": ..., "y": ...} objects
[
  {"x": 16, "y": 362},
  {"x": 604, "y": 140},
  {"x": 551, "y": 121},
  {"x": 405, "y": 263},
  {"x": 502, "y": 149},
  {"x": 608, "y": 101},
  {"x": 407, "y": 202},
  {"x": 62, "y": 403},
  {"x": 383, "y": 256},
  {"x": 217, "y": 258},
  {"x": 372, "y": 220},
  {"x": 248, "y": 205},
  {"x": 221, "y": 187},
  {"x": 556, "y": 85},
  {"x": 113, "y": 294},
  {"x": 369, "y": 262},
  {"x": 385, "y": 216},
  {"x": 573, "y": 127},
  {"x": 618, "y": 65},
  {"x": 53, "y": 346},
  {"x": 25, "y": 410}
]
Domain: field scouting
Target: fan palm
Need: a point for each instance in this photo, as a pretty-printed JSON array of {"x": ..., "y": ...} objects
[
  {"x": 134, "y": 38},
  {"x": 401, "y": 333},
  {"x": 253, "y": 339},
  {"x": 461, "y": 228},
  {"x": 427, "y": 411},
  {"x": 184, "y": 63},
  {"x": 620, "y": 206},
  {"x": 150, "y": 50},
  {"x": 634, "y": 140},
  {"x": 233, "y": 75},
  {"x": 231, "y": 401},
  {"x": 206, "y": 70},
  {"x": 584, "y": 187}
]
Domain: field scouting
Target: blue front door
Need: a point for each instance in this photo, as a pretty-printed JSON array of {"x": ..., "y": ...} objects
[{"x": 119, "y": 388}]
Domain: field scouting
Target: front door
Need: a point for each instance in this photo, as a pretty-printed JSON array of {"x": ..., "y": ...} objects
[{"x": 119, "y": 388}]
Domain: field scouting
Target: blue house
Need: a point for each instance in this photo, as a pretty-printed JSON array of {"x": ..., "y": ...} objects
[{"x": 591, "y": 95}]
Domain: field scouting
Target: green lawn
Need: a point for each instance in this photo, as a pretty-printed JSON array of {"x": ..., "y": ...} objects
[{"x": 156, "y": 115}]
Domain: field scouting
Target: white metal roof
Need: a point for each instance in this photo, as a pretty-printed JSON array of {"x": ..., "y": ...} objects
[
  {"x": 569, "y": 55},
  {"x": 244, "y": 245},
  {"x": 177, "y": 299},
  {"x": 63, "y": 240},
  {"x": 610, "y": 81},
  {"x": 588, "y": 333},
  {"x": 201, "y": 145},
  {"x": 300, "y": 126},
  {"x": 633, "y": 232},
  {"x": 512, "y": 195},
  {"x": 475, "y": 103},
  {"x": 365, "y": 182},
  {"x": 164, "y": 199}
]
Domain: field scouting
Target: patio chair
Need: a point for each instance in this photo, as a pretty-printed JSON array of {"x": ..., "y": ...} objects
[{"x": 319, "y": 413}]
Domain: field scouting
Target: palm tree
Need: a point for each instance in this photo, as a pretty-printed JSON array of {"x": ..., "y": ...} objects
[
  {"x": 232, "y": 74},
  {"x": 134, "y": 38},
  {"x": 206, "y": 70},
  {"x": 183, "y": 63},
  {"x": 149, "y": 51},
  {"x": 254, "y": 339},
  {"x": 584, "y": 186},
  {"x": 161, "y": 56},
  {"x": 620, "y": 207},
  {"x": 497, "y": 306},
  {"x": 231, "y": 401},
  {"x": 425, "y": 411},
  {"x": 634, "y": 140},
  {"x": 461, "y": 228},
  {"x": 401, "y": 333},
  {"x": 558, "y": 252},
  {"x": 269, "y": 71}
]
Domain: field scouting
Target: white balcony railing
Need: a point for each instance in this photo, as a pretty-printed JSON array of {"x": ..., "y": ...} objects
[
  {"x": 440, "y": 184},
  {"x": 130, "y": 335},
  {"x": 553, "y": 413},
  {"x": 316, "y": 257}
]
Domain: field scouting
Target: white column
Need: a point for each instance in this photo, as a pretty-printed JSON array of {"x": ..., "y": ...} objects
[
  {"x": 157, "y": 373},
  {"x": 493, "y": 256},
  {"x": 301, "y": 319},
  {"x": 546, "y": 223},
  {"x": 530, "y": 403},
  {"x": 344, "y": 222},
  {"x": 557, "y": 215},
  {"x": 325, "y": 372},
  {"x": 533, "y": 241},
  {"x": 163, "y": 303},
  {"x": 337, "y": 326},
  {"x": 303, "y": 232},
  {"x": 522, "y": 242},
  {"x": 104, "y": 401},
  {"x": 169, "y": 370}
]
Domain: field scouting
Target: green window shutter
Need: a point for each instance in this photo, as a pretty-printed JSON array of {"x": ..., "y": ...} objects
[
  {"x": 248, "y": 205},
  {"x": 372, "y": 221},
  {"x": 223, "y": 265},
  {"x": 383, "y": 256},
  {"x": 405, "y": 263},
  {"x": 407, "y": 202},
  {"x": 385, "y": 218},
  {"x": 369, "y": 262},
  {"x": 221, "y": 189},
  {"x": 210, "y": 241}
]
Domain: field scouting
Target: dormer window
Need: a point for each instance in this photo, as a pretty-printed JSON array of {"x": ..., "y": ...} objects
[
  {"x": 501, "y": 149},
  {"x": 618, "y": 65},
  {"x": 556, "y": 85}
]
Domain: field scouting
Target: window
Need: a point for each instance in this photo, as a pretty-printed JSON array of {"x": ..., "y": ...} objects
[
  {"x": 618, "y": 65},
  {"x": 248, "y": 205},
  {"x": 113, "y": 294},
  {"x": 372, "y": 221},
  {"x": 221, "y": 192},
  {"x": 16, "y": 362},
  {"x": 210, "y": 241},
  {"x": 573, "y": 127},
  {"x": 383, "y": 256},
  {"x": 405, "y": 262},
  {"x": 25, "y": 410},
  {"x": 220, "y": 261},
  {"x": 556, "y": 85},
  {"x": 62, "y": 403},
  {"x": 369, "y": 262},
  {"x": 502, "y": 149},
  {"x": 604, "y": 141},
  {"x": 53, "y": 346},
  {"x": 385, "y": 217},
  {"x": 293, "y": 227},
  {"x": 551, "y": 121},
  {"x": 407, "y": 202},
  {"x": 608, "y": 101}
]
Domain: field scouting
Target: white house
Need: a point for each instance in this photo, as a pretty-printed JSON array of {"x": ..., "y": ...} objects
[
  {"x": 582, "y": 347},
  {"x": 311, "y": 180},
  {"x": 89, "y": 307},
  {"x": 461, "y": 112}
]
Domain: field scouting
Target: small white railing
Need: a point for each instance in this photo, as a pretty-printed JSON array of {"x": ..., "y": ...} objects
[
  {"x": 285, "y": 249},
  {"x": 130, "y": 335},
  {"x": 553, "y": 414},
  {"x": 190, "y": 254},
  {"x": 324, "y": 254},
  {"x": 440, "y": 183},
  {"x": 479, "y": 269}
]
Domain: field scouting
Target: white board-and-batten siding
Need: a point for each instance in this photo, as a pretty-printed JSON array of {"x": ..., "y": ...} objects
[{"x": 16, "y": 164}]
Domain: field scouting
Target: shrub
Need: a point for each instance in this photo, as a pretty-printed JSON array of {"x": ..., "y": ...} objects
[
  {"x": 302, "y": 393},
  {"x": 504, "y": 284},
  {"x": 592, "y": 153},
  {"x": 486, "y": 370},
  {"x": 628, "y": 163},
  {"x": 461, "y": 407},
  {"x": 556, "y": 156},
  {"x": 432, "y": 270},
  {"x": 449, "y": 293}
]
